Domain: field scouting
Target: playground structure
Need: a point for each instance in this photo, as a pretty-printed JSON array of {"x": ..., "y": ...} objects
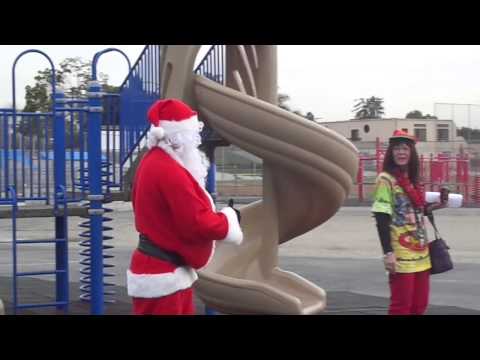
[
  {"x": 45, "y": 163},
  {"x": 308, "y": 172}
]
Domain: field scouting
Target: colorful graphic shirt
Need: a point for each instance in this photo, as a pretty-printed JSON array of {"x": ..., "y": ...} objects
[{"x": 407, "y": 229}]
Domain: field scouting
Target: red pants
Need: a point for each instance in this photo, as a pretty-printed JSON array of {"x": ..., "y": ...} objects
[
  {"x": 179, "y": 303},
  {"x": 409, "y": 293}
]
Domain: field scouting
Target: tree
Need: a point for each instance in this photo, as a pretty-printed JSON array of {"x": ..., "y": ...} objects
[
  {"x": 415, "y": 114},
  {"x": 37, "y": 97},
  {"x": 73, "y": 75},
  {"x": 469, "y": 134},
  {"x": 370, "y": 108},
  {"x": 310, "y": 116},
  {"x": 78, "y": 71}
]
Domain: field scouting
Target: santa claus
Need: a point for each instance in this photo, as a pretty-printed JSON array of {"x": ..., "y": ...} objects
[{"x": 174, "y": 214}]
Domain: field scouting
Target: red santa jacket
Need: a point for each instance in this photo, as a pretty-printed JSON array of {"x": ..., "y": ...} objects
[{"x": 178, "y": 215}]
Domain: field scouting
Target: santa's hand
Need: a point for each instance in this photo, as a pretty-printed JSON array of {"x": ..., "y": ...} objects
[
  {"x": 234, "y": 234},
  {"x": 239, "y": 217}
]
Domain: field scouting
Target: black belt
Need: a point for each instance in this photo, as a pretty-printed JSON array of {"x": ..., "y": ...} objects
[{"x": 149, "y": 248}]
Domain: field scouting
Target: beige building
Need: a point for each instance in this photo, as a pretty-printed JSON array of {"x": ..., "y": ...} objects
[{"x": 434, "y": 136}]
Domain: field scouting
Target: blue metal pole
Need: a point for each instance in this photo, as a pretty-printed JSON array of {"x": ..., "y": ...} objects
[
  {"x": 5, "y": 150},
  {"x": 212, "y": 170},
  {"x": 95, "y": 196},
  {"x": 13, "y": 194},
  {"x": 100, "y": 53},
  {"x": 61, "y": 231},
  {"x": 14, "y": 105},
  {"x": 211, "y": 181},
  {"x": 209, "y": 311}
]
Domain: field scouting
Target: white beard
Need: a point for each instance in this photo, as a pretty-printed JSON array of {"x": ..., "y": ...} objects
[
  {"x": 183, "y": 147},
  {"x": 195, "y": 161}
]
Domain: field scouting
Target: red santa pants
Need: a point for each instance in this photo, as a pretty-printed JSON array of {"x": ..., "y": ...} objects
[
  {"x": 409, "y": 293},
  {"x": 179, "y": 303}
]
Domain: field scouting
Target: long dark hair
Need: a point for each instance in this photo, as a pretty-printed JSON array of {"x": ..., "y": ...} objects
[{"x": 413, "y": 164}]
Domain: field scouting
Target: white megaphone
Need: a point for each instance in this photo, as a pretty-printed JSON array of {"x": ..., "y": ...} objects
[{"x": 454, "y": 200}]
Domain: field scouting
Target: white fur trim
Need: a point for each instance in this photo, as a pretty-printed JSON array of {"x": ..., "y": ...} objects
[
  {"x": 170, "y": 127},
  {"x": 158, "y": 285},
  {"x": 167, "y": 127},
  {"x": 157, "y": 132},
  {"x": 234, "y": 234}
]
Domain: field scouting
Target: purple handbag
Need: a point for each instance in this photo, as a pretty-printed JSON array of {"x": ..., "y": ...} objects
[{"x": 439, "y": 255}]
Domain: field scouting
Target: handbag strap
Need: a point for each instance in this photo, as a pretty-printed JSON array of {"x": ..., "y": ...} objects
[{"x": 432, "y": 221}]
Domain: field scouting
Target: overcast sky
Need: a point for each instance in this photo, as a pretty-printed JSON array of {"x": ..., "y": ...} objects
[
  {"x": 327, "y": 79},
  {"x": 323, "y": 79}
]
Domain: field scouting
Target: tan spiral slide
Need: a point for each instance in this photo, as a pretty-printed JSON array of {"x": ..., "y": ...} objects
[{"x": 308, "y": 173}]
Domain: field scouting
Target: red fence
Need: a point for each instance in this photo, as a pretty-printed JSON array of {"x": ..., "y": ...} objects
[{"x": 435, "y": 171}]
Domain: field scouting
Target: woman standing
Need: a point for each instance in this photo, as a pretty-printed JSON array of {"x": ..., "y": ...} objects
[{"x": 399, "y": 206}]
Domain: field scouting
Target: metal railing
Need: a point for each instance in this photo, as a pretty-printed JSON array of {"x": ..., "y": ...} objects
[
  {"x": 139, "y": 90},
  {"x": 142, "y": 87},
  {"x": 25, "y": 161},
  {"x": 26, "y": 140},
  {"x": 213, "y": 64}
]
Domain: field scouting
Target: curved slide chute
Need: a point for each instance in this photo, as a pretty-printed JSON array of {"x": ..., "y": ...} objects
[{"x": 308, "y": 173}]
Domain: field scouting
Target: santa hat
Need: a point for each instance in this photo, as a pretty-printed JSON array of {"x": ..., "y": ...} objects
[
  {"x": 169, "y": 116},
  {"x": 399, "y": 135}
]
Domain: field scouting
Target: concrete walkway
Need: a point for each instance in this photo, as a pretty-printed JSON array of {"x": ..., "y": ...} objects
[{"x": 342, "y": 256}]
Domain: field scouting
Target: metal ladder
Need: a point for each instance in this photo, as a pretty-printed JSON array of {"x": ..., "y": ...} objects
[{"x": 61, "y": 253}]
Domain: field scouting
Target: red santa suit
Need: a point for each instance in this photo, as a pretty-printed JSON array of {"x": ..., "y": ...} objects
[{"x": 175, "y": 212}]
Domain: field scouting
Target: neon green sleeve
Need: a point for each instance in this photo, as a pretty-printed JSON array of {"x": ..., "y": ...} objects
[{"x": 382, "y": 197}]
